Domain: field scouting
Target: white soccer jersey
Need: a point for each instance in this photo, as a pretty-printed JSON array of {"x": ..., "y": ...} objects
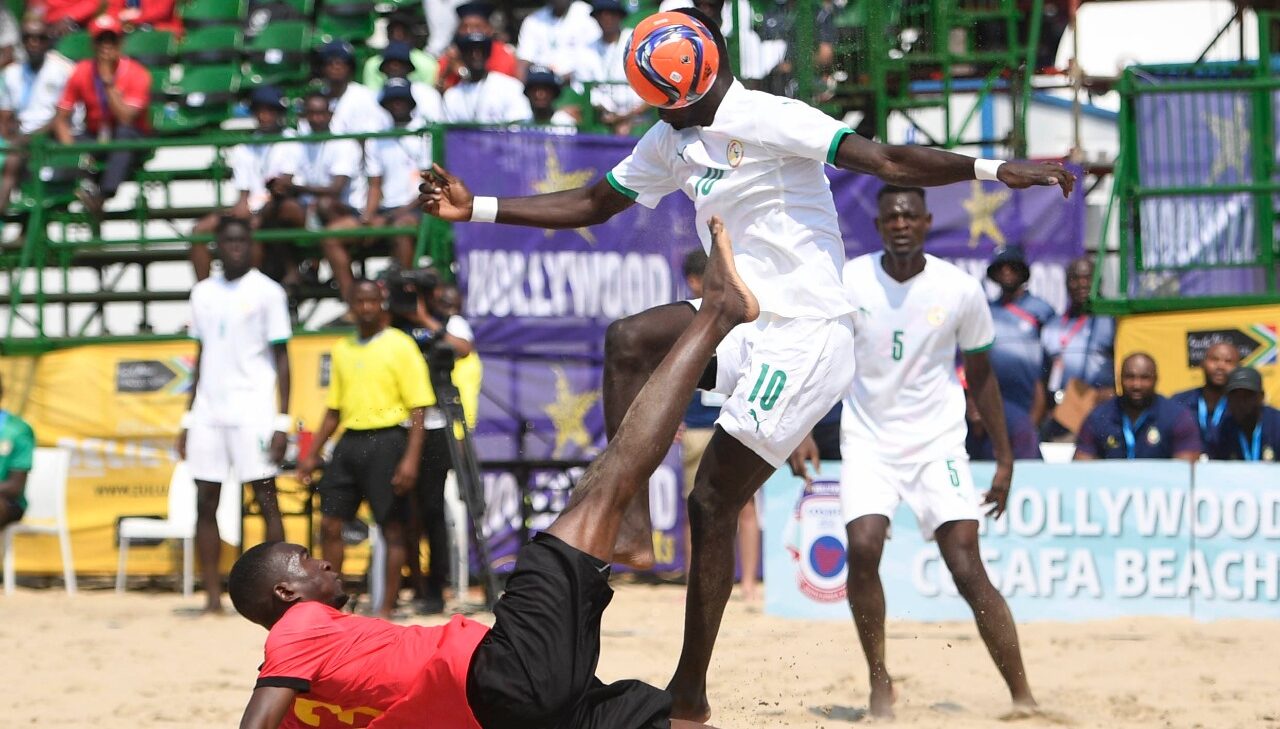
[
  {"x": 906, "y": 404},
  {"x": 495, "y": 99},
  {"x": 759, "y": 167},
  {"x": 399, "y": 161},
  {"x": 253, "y": 165},
  {"x": 236, "y": 322}
]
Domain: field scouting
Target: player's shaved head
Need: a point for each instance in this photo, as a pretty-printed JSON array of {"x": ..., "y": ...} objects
[{"x": 253, "y": 579}]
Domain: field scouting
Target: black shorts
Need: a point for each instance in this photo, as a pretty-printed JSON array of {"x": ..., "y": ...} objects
[
  {"x": 364, "y": 461},
  {"x": 536, "y": 668}
]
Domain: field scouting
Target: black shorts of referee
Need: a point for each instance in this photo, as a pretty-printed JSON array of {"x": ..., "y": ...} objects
[
  {"x": 536, "y": 668},
  {"x": 363, "y": 464}
]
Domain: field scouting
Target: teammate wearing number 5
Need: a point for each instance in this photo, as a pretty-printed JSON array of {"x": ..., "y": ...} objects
[
  {"x": 755, "y": 160},
  {"x": 903, "y": 431}
]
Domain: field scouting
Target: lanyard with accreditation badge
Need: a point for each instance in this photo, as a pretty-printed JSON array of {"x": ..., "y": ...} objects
[
  {"x": 1130, "y": 442},
  {"x": 1254, "y": 453},
  {"x": 1202, "y": 410}
]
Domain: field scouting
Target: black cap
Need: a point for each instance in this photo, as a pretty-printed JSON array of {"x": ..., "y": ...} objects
[
  {"x": 606, "y": 6},
  {"x": 541, "y": 76},
  {"x": 270, "y": 96},
  {"x": 474, "y": 40},
  {"x": 397, "y": 88},
  {"x": 1012, "y": 255},
  {"x": 1244, "y": 378},
  {"x": 484, "y": 10},
  {"x": 338, "y": 49},
  {"x": 397, "y": 51}
]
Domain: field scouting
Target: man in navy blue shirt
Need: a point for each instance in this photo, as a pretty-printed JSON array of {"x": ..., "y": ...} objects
[
  {"x": 1017, "y": 357},
  {"x": 1208, "y": 404},
  {"x": 1022, "y": 437},
  {"x": 1139, "y": 423},
  {"x": 1251, "y": 431}
]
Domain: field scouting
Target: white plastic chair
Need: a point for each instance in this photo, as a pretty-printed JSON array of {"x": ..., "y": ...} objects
[
  {"x": 46, "y": 494},
  {"x": 180, "y": 524}
]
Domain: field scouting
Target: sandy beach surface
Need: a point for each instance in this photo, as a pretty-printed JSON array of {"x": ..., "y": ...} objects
[{"x": 144, "y": 660}]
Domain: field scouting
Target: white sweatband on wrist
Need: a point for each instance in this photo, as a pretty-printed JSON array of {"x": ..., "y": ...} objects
[
  {"x": 185, "y": 422},
  {"x": 986, "y": 169},
  {"x": 484, "y": 209},
  {"x": 281, "y": 423}
]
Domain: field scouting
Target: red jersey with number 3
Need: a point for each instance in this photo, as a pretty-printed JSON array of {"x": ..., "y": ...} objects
[{"x": 353, "y": 671}]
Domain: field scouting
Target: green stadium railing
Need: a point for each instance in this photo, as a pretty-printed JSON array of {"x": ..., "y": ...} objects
[
  {"x": 1193, "y": 208},
  {"x": 61, "y": 240}
]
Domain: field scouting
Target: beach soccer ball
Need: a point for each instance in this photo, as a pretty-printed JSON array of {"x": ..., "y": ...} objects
[{"x": 671, "y": 60}]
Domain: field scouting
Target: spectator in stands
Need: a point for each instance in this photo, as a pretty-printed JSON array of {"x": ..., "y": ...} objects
[
  {"x": 1139, "y": 423},
  {"x": 1019, "y": 316},
  {"x": 543, "y": 89},
  {"x": 398, "y": 63},
  {"x": 394, "y": 167},
  {"x": 435, "y": 319},
  {"x": 330, "y": 182},
  {"x": 779, "y": 27},
  {"x": 600, "y": 64},
  {"x": 423, "y": 66},
  {"x": 355, "y": 106},
  {"x": 263, "y": 174},
  {"x": 1022, "y": 436},
  {"x": 1079, "y": 348},
  {"x": 555, "y": 35},
  {"x": 114, "y": 92},
  {"x": 17, "y": 448},
  {"x": 240, "y": 321},
  {"x": 377, "y": 381},
  {"x": 484, "y": 97},
  {"x": 474, "y": 17},
  {"x": 72, "y": 14},
  {"x": 35, "y": 86},
  {"x": 1208, "y": 404},
  {"x": 442, "y": 24},
  {"x": 1251, "y": 431},
  {"x": 695, "y": 434}
]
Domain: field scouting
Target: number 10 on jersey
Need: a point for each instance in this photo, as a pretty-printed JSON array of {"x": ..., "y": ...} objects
[{"x": 772, "y": 388}]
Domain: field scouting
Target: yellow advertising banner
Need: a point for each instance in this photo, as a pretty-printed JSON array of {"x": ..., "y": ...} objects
[
  {"x": 116, "y": 408},
  {"x": 1178, "y": 340}
]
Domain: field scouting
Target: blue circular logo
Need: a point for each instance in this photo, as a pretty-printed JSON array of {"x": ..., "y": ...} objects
[{"x": 827, "y": 556}]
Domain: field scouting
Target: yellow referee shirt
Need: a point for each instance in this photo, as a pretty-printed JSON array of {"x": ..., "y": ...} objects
[{"x": 375, "y": 384}]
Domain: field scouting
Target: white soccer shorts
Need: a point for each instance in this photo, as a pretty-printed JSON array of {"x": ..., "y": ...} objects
[
  {"x": 936, "y": 491},
  {"x": 781, "y": 376},
  {"x": 216, "y": 451}
]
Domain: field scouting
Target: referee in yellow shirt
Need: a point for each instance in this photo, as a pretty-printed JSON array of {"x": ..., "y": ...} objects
[{"x": 377, "y": 381}]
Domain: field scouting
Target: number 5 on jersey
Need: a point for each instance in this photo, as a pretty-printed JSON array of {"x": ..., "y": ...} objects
[
  {"x": 771, "y": 389},
  {"x": 897, "y": 345}
]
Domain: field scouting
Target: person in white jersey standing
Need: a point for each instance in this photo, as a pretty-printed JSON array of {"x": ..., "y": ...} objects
[
  {"x": 240, "y": 321},
  {"x": 903, "y": 430},
  {"x": 756, "y": 160}
]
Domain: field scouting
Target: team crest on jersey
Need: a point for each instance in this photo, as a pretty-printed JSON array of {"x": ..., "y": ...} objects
[
  {"x": 1112, "y": 442},
  {"x": 815, "y": 539},
  {"x": 734, "y": 153},
  {"x": 1153, "y": 436},
  {"x": 1268, "y": 454},
  {"x": 937, "y": 316}
]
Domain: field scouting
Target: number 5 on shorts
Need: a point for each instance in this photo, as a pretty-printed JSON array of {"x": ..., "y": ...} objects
[
  {"x": 771, "y": 391},
  {"x": 953, "y": 473}
]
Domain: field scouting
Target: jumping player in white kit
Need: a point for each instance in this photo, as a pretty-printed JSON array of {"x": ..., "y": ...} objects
[
  {"x": 756, "y": 160},
  {"x": 903, "y": 431}
]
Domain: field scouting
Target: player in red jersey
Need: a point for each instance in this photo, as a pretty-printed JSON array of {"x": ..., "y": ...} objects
[{"x": 535, "y": 669}]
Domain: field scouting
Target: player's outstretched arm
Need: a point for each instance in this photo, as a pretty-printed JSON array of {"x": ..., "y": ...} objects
[
  {"x": 926, "y": 167},
  {"x": 267, "y": 707},
  {"x": 446, "y": 197}
]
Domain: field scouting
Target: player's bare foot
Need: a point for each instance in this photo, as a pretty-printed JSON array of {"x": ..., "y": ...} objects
[
  {"x": 883, "y": 697},
  {"x": 215, "y": 610},
  {"x": 691, "y": 706},
  {"x": 634, "y": 547},
  {"x": 723, "y": 291},
  {"x": 1025, "y": 708}
]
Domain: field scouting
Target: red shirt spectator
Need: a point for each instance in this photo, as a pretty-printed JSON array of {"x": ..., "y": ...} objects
[
  {"x": 159, "y": 14},
  {"x": 133, "y": 81},
  {"x": 502, "y": 60}
]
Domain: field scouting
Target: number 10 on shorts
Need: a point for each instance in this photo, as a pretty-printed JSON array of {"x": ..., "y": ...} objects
[{"x": 772, "y": 388}]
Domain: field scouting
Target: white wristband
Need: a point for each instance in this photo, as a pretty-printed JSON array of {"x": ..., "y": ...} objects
[
  {"x": 281, "y": 423},
  {"x": 484, "y": 209},
  {"x": 185, "y": 422},
  {"x": 986, "y": 169}
]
